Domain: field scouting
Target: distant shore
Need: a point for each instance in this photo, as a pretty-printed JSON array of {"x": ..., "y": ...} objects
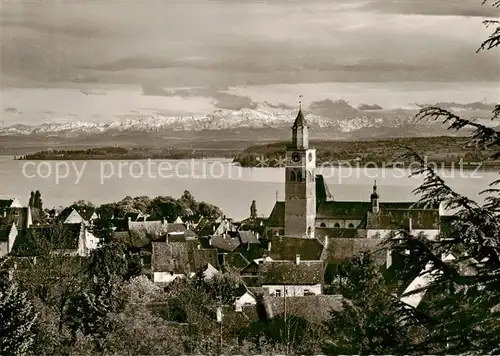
[{"x": 443, "y": 152}]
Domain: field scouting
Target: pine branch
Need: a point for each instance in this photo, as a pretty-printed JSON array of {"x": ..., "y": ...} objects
[
  {"x": 482, "y": 134},
  {"x": 494, "y": 39}
]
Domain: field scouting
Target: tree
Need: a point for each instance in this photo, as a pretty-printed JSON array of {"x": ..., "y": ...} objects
[
  {"x": 37, "y": 200},
  {"x": 371, "y": 320},
  {"x": 32, "y": 199},
  {"x": 462, "y": 311},
  {"x": 17, "y": 318},
  {"x": 84, "y": 204},
  {"x": 253, "y": 210}
]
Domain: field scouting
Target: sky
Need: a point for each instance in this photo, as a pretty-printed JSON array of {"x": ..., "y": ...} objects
[{"x": 144, "y": 52}]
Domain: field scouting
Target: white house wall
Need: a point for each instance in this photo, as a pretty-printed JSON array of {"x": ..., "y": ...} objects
[
  {"x": 245, "y": 300},
  {"x": 165, "y": 277}
]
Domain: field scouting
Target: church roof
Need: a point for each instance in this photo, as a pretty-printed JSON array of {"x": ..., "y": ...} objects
[
  {"x": 322, "y": 190},
  {"x": 287, "y": 248},
  {"x": 400, "y": 219},
  {"x": 300, "y": 120},
  {"x": 344, "y": 209},
  {"x": 277, "y": 217}
]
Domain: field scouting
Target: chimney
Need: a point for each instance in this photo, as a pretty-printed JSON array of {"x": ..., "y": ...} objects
[
  {"x": 388, "y": 261},
  {"x": 297, "y": 259}
]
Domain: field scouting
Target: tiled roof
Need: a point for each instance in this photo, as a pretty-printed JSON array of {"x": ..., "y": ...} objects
[
  {"x": 314, "y": 308},
  {"x": 341, "y": 249},
  {"x": 237, "y": 260},
  {"x": 248, "y": 237},
  {"x": 399, "y": 219},
  {"x": 344, "y": 209},
  {"x": 155, "y": 228},
  {"x": 203, "y": 256},
  {"x": 358, "y": 210},
  {"x": 322, "y": 191},
  {"x": 277, "y": 217},
  {"x": 170, "y": 257},
  {"x": 58, "y": 237},
  {"x": 176, "y": 227},
  {"x": 286, "y": 248},
  {"x": 322, "y": 232},
  {"x": 224, "y": 243},
  {"x": 291, "y": 273}
]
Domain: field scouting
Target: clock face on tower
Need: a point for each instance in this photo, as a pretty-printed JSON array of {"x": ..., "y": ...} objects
[{"x": 296, "y": 157}]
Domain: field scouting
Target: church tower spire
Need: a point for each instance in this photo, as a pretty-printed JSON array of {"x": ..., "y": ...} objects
[
  {"x": 300, "y": 182},
  {"x": 300, "y": 135}
]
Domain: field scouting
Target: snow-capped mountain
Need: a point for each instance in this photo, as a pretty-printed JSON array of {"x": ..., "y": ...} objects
[{"x": 262, "y": 117}]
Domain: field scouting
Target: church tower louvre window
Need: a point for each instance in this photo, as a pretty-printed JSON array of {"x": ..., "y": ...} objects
[{"x": 300, "y": 190}]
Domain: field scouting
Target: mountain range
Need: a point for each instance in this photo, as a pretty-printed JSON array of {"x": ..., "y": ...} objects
[{"x": 357, "y": 123}]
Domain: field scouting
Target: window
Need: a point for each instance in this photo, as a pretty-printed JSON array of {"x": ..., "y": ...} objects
[
  {"x": 278, "y": 293},
  {"x": 309, "y": 230},
  {"x": 322, "y": 224},
  {"x": 336, "y": 225},
  {"x": 351, "y": 226},
  {"x": 293, "y": 178},
  {"x": 299, "y": 177}
]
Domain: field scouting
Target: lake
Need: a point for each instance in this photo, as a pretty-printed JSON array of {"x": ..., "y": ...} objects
[{"x": 216, "y": 181}]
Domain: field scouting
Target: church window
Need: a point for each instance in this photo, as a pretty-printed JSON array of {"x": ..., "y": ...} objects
[
  {"x": 351, "y": 225},
  {"x": 292, "y": 176},
  {"x": 299, "y": 177},
  {"x": 322, "y": 224},
  {"x": 336, "y": 225}
]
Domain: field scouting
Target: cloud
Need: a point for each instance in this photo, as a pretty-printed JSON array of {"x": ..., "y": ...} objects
[
  {"x": 279, "y": 105},
  {"x": 12, "y": 111},
  {"x": 367, "y": 107},
  {"x": 469, "y": 106},
  {"x": 233, "y": 102},
  {"x": 332, "y": 109},
  {"x": 464, "y": 8},
  {"x": 229, "y": 43}
]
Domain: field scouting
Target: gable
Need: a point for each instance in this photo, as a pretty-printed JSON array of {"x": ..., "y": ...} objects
[{"x": 74, "y": 218}]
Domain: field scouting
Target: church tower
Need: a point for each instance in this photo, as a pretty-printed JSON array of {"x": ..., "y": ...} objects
[{"x": 300, "y": 185}]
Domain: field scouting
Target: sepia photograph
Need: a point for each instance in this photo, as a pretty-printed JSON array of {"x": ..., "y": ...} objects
[{"x": 249, "y": 177}]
